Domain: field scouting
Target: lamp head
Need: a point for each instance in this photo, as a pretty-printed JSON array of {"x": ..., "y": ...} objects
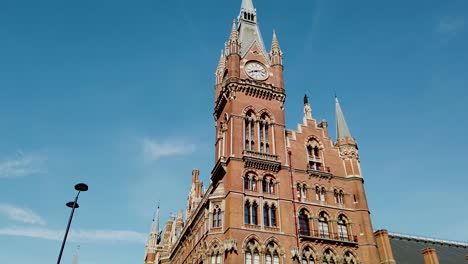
[{"x": 82, "y": 187}]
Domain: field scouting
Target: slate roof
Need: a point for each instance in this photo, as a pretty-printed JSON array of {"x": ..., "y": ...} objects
[{"x": 407, "y": 249}]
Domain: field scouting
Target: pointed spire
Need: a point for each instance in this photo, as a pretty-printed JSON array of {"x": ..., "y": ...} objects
[
  {"x": 153, "y": 238},
  {"x": 342, "y": 130},
  {"x": 275, "y": 47},
  {"x": 247, "y": 5},
  {"x": 234, "y": 37},
  {"x": 155, "y": 226},
  {"x": 222, "y": 61}
]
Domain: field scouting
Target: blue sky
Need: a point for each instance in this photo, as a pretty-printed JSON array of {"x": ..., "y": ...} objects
[{"x": 119, "y": 95}]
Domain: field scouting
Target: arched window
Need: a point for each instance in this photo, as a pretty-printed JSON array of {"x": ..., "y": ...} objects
[
  {"x": 273, "y": 215},
  {"x": 264, "y": 133},
  {"x": 249, "y": 131},
  {"x": 328, "y": 257},
  {"x": 304, "y": 223},
  {"x": 250, "y": 182},
  {"x": 266, "y": 215},
  {"x": 301, "y": 192},
  {"x": 216, "y": 255},
  {"x": 308, "y": 256},
  {"x": 252, "y": 253},
  {"x": 271, "y": 254},
  {"x": 342, "y": 223},
  {"x": 268, "y": 185},
  {"x": 254, "y": 213},
  {"x": 320, "y": 193},
  {"x": 314, "y": 155},
  {"x": 323, "y": 225},
  {"x": 215, "y": 217},
  {"x": 247, "y": 212},
  {"x": 349, "y": 258}
]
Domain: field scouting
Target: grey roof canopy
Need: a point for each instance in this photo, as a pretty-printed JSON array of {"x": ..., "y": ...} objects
[{"x": 407, "y": 250}]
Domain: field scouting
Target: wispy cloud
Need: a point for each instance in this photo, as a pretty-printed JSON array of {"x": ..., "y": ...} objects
[
  {"x": 22, "y": 164},
  {"x": 24, "y": 215},
  {"x": 450, "y": 25},
  {"x": 154, "y": 150},
  {"x": 76, "y": 235}
]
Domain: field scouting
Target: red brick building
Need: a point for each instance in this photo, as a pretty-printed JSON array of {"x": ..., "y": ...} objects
[{"x": 276, "y": 195}]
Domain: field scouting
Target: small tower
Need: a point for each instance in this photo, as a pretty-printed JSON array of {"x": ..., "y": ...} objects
[
  {"x": 233, "y": 56},
  {"x": 347, "y": 144},
  {"x": 276, "y": 57}
]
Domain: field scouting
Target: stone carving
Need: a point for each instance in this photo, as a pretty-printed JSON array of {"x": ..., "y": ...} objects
[{"x": 230, "y": 245}]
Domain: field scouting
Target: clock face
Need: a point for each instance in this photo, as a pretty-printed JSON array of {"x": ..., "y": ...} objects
[{"x": 256, "y": 70}]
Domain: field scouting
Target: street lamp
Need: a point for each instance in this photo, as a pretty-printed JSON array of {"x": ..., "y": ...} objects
[{"x": 80, "y": 187}]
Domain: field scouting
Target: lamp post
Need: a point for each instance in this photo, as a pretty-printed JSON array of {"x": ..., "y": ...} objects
[{"x": 80, "y": 187}]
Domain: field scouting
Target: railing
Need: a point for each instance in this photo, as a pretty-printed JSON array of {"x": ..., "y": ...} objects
[
  {"x": 260, "y": 155},
  {"x": 328, "y": 235}
]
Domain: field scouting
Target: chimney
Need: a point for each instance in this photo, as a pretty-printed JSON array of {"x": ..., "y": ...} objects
[
  {"x": 430, "y": 256},
  {"x": 383, "y": 245}
]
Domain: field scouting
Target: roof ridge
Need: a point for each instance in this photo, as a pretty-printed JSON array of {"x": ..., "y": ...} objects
[{"x": 435, "y": 240}]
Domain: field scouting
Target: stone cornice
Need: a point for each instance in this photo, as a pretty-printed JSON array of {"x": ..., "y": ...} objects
[{"x": 250, "y": 88}]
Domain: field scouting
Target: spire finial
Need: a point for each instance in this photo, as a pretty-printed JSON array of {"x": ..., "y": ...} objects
[
  {"x": 342, "y": 130},
  {"x": 307, "y": 108}
]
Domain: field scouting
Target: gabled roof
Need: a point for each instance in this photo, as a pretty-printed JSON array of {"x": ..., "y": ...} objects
[{"x": 407, "y": 249}]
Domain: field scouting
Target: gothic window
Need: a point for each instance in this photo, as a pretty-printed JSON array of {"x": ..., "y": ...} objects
[
  {"x": 271, "y": 254},
  {"x": 266, "y": 215},
  {"x": 323, "y": 225},
  {"x": 314, "y": 155},
  {"x": 301, "y": 192},
  {"x": 264, "y": 133},
  {"x": 349, "y": 258},
  {"x": 250, "y": 182},
  {"x": 328, "y": 257},
  {"x": 254, "y": 213},
  {"x": 343, "y": 228},
  {"x": 215, "y": 255},
  {"x": 247, "y": 208},
  {"x": 320, "y": 193},
  {"x": 252, "y": 253},
  {"x": 217, "y": 217},
  {"x": 339, "y": 196},
  {"x": 251, "y": 213},
  {"x": 304, "y": 223},
  {"x": 308, "y": 256},
  {"x": 249, "y": 131},
  {"x": 273, "y": 215},
  {"x": 268, "y": 185}
]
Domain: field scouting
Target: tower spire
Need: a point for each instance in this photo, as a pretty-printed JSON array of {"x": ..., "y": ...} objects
[
  {"x": 342, "y": 130},
  {"x": 247, "y": 5},
  {"x": 275, "y": 47},
  {"x": 249, "y": 33},
  {"x": 153, "y": 238}
]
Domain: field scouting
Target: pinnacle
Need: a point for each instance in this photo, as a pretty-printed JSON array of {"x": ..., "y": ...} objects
[
  {"x": 234, "y": 34},
  {"x": 275, "y": 47}
]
